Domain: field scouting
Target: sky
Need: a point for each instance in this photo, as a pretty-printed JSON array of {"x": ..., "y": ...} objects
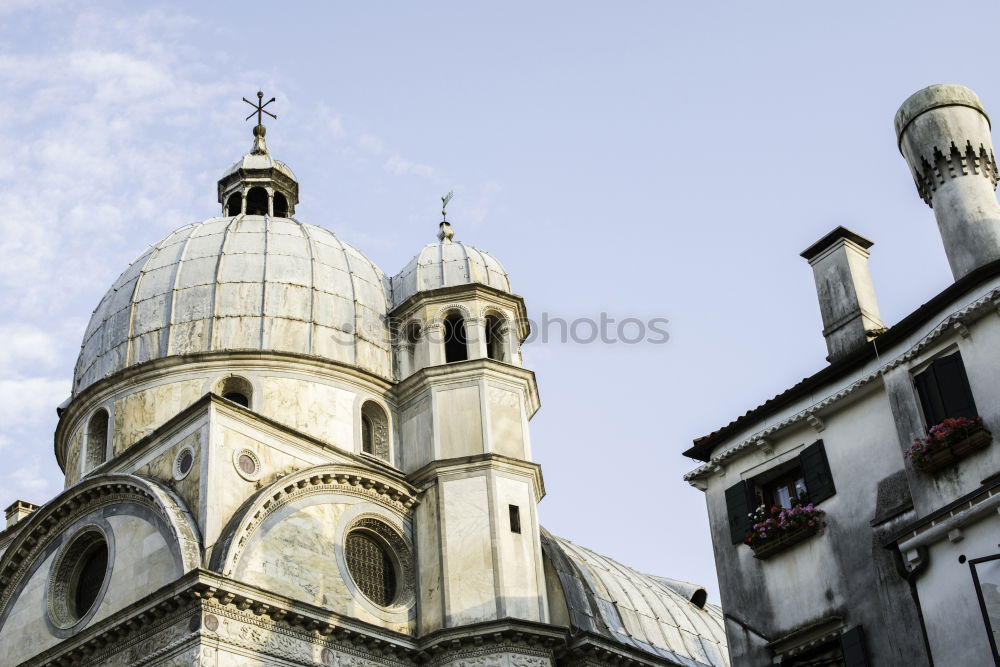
[{"x": 639, "y": 159}]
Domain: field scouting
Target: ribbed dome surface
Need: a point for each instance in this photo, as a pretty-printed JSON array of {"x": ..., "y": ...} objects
[
  {"x": 648, "y": 613},
  {"x": 241, "y": 283},
  {"x": 446, "y": 264}
]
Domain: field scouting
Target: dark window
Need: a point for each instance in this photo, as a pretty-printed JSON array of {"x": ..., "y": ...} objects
[
  {"x": 91, "y": 578},
  {"x": 515, "y": 518},
  {"x": 234, "y": 204},
  {"x": 455, "y": 347},
  {"x": 494, "y": 337},
  {"x": 806, "y": 479},
  {"x": 257, "y": 201},
  {"x": 97, "y": 439},
  {"x": 367, "y": 435},
  {"x": 185, "y": 463},
  {"x": 280, "y": 205},
  {"x": 238, "y": 398},
  {"x": 944, "y": 390},
  {"x": 371, "y": 568}
]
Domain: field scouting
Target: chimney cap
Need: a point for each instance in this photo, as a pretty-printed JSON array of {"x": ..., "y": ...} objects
[
  {"x": 934, "y": 97},
  {"x": 831, "y": 238}
]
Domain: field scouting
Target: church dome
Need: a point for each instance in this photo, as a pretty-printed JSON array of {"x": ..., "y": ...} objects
[
  {"x": 446, "y": 264},
  {"x": 245, "y": 282}
]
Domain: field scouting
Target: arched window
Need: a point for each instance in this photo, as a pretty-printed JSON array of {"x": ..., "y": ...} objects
[
  {"x": 374, "y": 430},
  {"x": 234, "y": 204},
  {"x": 97, "y": 439},
  {"x": 280, "y": 205},
  {"x": 236, "y": 389},
  {"x": 411, "y": 335},
  {"x": 455, "y": 346},
  {"x": 257, "y": 201},
  {"x": 494, "y": 337}
]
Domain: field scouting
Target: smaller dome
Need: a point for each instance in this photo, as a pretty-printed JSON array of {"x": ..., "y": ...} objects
[
  {"x": 446, "y": 264},
  {"x": 253, "y": 161}
]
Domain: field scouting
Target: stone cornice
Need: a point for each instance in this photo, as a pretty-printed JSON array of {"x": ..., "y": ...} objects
[
  {"x": 202, "y": 407},
  {"x": 200, "y": 597},
  {"x": 444, "y": 295},
  {"x": 461, "y": 371},
  {"x": 427, "y": 474},
  {"x": 953, "y": 324},
  {"x": 83, "y": 402}
]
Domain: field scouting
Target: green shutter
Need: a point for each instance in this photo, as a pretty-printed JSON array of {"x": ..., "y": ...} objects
[
  {"x": 852, "y": 644},
  {"x": 740, "y": 502},
  {"x": 953, "y": 384},
  {"x": 944, "y": 390},
  {"x": 816, "y": 471}
]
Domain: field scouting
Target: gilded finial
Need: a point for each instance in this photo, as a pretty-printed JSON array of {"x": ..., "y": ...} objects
[{"x": 259, "y": 147}]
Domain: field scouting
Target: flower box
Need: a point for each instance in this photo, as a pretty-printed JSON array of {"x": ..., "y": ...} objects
[
  {"x": 771, "y": 547},
  {"x": 948, "y": 442},
  {"x": 779, "y": 528}
]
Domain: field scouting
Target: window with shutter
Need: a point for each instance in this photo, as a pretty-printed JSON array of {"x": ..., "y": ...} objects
[
  {"x": 816, "y": 472},
  {"x": 740, "y": 503},
  {"x": 852, "y": 643},
  {"x": 943, "y": 388}
]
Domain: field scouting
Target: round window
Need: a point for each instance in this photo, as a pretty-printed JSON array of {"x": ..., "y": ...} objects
[
  {"x": 371, "y": 567},
  {"x": 183, "y": 463},
  {"x": 78, "y": 578},
  {"x": 247, "y": 464}
]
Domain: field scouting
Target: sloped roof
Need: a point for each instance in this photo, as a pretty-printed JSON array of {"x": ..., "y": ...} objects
[{"x": 652, "y": 614}]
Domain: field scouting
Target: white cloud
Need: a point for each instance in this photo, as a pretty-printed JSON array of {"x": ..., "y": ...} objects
[{"x": 26, "y": 401}]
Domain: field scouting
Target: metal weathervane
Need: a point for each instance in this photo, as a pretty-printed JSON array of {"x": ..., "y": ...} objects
[
  {"x": 444, "y": 205},
  {"x": 259, "y": 108}
]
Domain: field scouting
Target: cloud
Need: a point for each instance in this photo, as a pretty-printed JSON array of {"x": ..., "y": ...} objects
[
  {"x": 28, "y": 401},
  {"x": 400, "y": 166}
]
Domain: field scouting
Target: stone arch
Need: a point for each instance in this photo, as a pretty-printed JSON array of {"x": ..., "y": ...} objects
[
  {"x": 234, "y": 204},
  {"x": 496, "y": 334},
  {"x": 235, "y": 388},
  {"x": 257, "y": 201},
  {"x": 375, "y": 429},
  {"x": 444, "y": 310},
  {"x": 97, "y": 439},
  {"x": 394, "y": 495},
  {"x": 49, "y": 523},
  {"x": 280, "y": 205}
]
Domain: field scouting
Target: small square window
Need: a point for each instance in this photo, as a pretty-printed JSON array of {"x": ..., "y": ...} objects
[{"x": 515, "y": 518}]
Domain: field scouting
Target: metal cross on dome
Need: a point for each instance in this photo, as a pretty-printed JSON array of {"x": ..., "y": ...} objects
[{"x": 259, "y": 108}]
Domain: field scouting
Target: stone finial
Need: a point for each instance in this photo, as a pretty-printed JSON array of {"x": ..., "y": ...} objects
[
  {"x": 943, "y": 133},
  {"x": 445, "y": 232},
  {"x": 846, "y": 293},
  {"x": 259, "y": 146}
]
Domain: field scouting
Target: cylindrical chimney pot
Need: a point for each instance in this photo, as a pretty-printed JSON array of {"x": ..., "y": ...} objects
[{"x": 944, "y": 134}]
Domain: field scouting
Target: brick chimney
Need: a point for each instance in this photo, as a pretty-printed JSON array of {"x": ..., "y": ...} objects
[
  {"x": 944, "y": 134},
  {"x": 846, "y": 294}
]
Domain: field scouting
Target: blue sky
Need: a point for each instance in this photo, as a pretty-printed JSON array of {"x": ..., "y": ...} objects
[{"x": 643, "y": 159}]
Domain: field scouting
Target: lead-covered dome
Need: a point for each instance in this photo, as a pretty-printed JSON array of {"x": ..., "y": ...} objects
[
  {"x": 445, "y": 264},
  {"x": 245, "y": 282}
]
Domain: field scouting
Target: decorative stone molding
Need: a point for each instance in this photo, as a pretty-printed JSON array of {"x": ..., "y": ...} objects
[
  {"x": 396, "y": 496},
  {"x": 51, "y": 521},
  {"x": 247, "y": 464},
  {"x": 968, "y": 314},
  {"x": 444, "y": 310},
  {"x": 952, "y": 163}
]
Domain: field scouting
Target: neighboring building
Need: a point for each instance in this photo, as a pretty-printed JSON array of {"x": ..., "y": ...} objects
[
  {"x": 276, "y": 455},
  {"x": 907, "y": 570}
]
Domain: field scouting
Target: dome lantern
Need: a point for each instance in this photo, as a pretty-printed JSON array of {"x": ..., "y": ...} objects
[{"x": 258, "y": 184}]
